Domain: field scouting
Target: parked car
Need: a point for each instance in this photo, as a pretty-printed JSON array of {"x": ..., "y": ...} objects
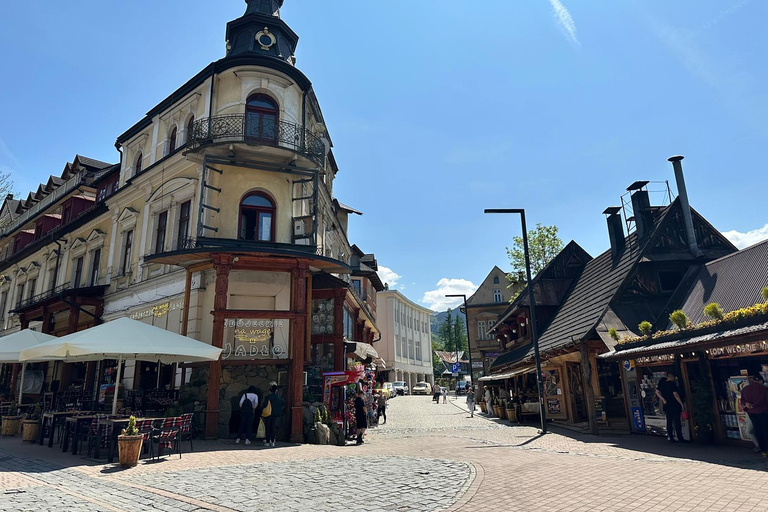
[
  {"x": 401, "y": 387},
  {"x": 388, "y": 390},
  {"x": 462, "y": 387},
  {"x": 422, "y": 388}
]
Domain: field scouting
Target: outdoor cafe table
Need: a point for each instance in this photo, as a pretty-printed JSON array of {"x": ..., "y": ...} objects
[
  {"x": 117, "y": 425},
  {"x": 52, "y": 418},
  {"x": 72, "y": 425}
]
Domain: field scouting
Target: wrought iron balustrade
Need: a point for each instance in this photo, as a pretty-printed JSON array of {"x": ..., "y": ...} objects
[
  {"x": 43, "y": 296},
  {"x": 259, "y": 130}
]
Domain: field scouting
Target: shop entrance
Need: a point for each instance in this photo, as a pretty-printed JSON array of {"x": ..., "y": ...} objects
[
  {"x": 576, "y": 389},
  {"x": 609, "y": 376}
]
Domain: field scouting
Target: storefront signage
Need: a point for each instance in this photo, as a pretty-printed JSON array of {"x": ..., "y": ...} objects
[
  {"x": 660, "y": 358},
  {"x": 491, "y": 355},
  {"x": 740, "y": 349},
  {"x": 158, "y": 311},
  {"x": 637, "y": 419},
  {"x": 629, "y": 365},
  {"x": 255, "y": 339},
  {"x": 477, "y": 364},
  {"x": 553, "y": 405}
]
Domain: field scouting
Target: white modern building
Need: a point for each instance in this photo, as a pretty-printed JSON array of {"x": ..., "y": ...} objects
[{"x": 406, "y": 340}]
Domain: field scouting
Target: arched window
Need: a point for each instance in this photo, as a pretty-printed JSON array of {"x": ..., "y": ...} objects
[
  {"x": 257, "y": 218},
  {"x": 190, "y": 128},
  {"x": 261, "y": 114},
  {"x": 137, "y": 167},
  {"x": 172, "y": 141}
]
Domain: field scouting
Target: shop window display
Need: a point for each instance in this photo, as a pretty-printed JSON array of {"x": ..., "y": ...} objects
[{"x": 322, "y": 316}]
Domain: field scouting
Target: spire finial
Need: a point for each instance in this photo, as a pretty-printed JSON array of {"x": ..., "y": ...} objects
[{"x": 265, "y": 7}]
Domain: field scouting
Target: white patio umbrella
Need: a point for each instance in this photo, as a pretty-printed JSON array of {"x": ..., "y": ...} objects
[
  {"x": 123, "y": 339},
  {"x": 12, "y": 345}
]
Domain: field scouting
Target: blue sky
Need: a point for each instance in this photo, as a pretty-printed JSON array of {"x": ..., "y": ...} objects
[{"x": 437, "y": 109}]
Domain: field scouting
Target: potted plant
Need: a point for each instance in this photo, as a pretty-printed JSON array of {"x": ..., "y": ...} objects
[
  {"x": 11, "y": 421},
  {"x": 498, "y": 408},
  {"x": 511, "y": 411},
  {"x": 30, "y": 427},
  {"x": 129, "y": 444}
]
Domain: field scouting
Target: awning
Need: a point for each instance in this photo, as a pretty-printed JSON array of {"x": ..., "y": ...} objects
[
  {"x": 507, "y": 375},
  {"x": 685, "y": 344},
  {"x": 364, "y": 351}
]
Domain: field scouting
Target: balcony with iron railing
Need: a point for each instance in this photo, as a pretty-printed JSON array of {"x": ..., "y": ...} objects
[
  {"x": 257, "y": 130},
  {"x": 61, "y": 291}
]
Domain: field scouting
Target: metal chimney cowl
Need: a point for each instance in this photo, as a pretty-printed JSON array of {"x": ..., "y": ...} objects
[{"x": 682, "y": 193}]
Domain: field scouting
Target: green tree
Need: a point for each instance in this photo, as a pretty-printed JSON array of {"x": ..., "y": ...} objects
[
  {"x": 445, "y": 333},
  {"x": 437, "y": 364},
  {"x": 543, "y": 245},
  {"x": 459, "y": 334}
]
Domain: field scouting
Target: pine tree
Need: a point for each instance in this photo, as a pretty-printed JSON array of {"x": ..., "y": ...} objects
[
  {"x": 459, "y": 334},
  {"x": 446, "y": 334}
]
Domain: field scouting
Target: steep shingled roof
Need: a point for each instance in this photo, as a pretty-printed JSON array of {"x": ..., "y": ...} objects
[{"x": 733, "y": 281}]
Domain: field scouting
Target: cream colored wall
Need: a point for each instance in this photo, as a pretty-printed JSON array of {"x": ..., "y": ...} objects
[
  {"x": 235, "y": 183},
  {"x": 270, "y": 291}
]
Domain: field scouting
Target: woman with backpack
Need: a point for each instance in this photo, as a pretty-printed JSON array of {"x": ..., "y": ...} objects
[
  {"x": 248, "y": 403},
  {"x": 274, "y": 407}
]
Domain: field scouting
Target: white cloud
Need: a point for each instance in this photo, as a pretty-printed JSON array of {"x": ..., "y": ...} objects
[
  {"x": 387, "y": 275},
  {"x": 742, "y": 240},
  {"x": 436, "y": 300},
  {"x": 565, "y": 21}
]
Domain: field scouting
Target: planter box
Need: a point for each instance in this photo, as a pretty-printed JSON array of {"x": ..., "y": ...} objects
[
  {"x": 11, "y": 425},
  {"x": 512, "y": 415},
  {"x": 498, "y": 411},
  {"x": 483, "y": 408},
  {"x": 29, "y": 431}
]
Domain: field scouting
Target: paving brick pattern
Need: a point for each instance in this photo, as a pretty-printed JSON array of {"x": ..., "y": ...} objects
[
  {"x": 389, "y": 483},
  {"x": 427, "y": 457}
]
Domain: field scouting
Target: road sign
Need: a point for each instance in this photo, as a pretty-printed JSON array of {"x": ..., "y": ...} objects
[{"x": 455, "y": 367}]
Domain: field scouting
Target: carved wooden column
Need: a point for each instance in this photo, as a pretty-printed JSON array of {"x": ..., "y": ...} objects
[
  {"x": 586, "y": 373},
  {"x": 74, "y": 319},
  {"x": 223, "y": 265},
  {"x": 299, "y": 280},
  {"x": 47, "y": 316}
]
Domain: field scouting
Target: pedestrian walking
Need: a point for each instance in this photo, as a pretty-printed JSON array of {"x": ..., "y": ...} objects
[
  {"x": 669, "y": 394},
  {"x": 248, "y": 403},
  {"x": 361, "y": 416},
  {"x": 754, "y": 400},
  {"x": 436, "y": 393},
  {"x": 471, "y": 402},
  {"x": 276, "y": 406},
  {"x": 488, "y": 401},
  {"x": 382, "y": 408},
  {"x": 445, "y": 395}
]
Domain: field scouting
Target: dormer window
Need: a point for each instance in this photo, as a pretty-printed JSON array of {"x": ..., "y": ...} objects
[
  {"x": 137, "y": 167},
  {"x": 257, "y": 214},
  {"x": 172, "y": 141}
]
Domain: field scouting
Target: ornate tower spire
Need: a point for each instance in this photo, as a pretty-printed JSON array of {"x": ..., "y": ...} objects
[
  {"x": 266, "y": 7},
  {"x": 261, "y": 31}
]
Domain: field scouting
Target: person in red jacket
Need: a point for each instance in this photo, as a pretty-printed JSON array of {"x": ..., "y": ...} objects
[{"x": 754, "y": 400}]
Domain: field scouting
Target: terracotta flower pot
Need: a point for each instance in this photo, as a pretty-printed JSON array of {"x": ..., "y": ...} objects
[
  {"x": 29, "y": 431},
  {"x": 129, "y": 450},
  {"x": 10, "y": 426}
]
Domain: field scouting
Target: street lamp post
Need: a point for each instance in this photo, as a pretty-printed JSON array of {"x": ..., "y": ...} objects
[
  {"x": 469, "y": 345},
  {"x": 532, "y": 300}
]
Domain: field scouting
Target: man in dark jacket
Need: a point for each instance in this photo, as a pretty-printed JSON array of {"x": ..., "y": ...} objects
[
  {"x": 669, "y": 394},
  {"x": 278, "y": 409},
  {"x": 754, "y": 400}
]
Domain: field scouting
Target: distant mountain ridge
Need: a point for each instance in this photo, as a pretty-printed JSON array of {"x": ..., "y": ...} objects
[{"x": 438, "y": 318}]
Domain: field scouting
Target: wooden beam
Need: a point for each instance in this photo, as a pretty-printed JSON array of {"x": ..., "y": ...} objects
[{"x": 586, "y": 373}]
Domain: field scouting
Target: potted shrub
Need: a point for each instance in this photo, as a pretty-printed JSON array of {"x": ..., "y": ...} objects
[
  {"x": 511, "y": 411},
  {"x": 498, "y": 408},
  {"x": 11, "y": 421},
  {"x": 30, "y": 427},
  {"x": 129, "y": 444}
]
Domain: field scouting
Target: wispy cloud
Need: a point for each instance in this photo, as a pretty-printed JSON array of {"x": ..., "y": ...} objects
[
  {"x": 7, "y": 155},
  {"x": 389, "y": 276},
  {"x": 565, "y": 21},
  {"x": 742, "y": 240},
  {"x": 436, "y": 299}
]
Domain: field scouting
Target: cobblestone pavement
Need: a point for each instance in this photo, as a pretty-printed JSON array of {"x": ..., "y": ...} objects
[{"x": 428, "y": 457}]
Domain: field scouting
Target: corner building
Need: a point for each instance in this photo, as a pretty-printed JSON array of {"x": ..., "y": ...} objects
[{"x": 219, "y": 223}]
